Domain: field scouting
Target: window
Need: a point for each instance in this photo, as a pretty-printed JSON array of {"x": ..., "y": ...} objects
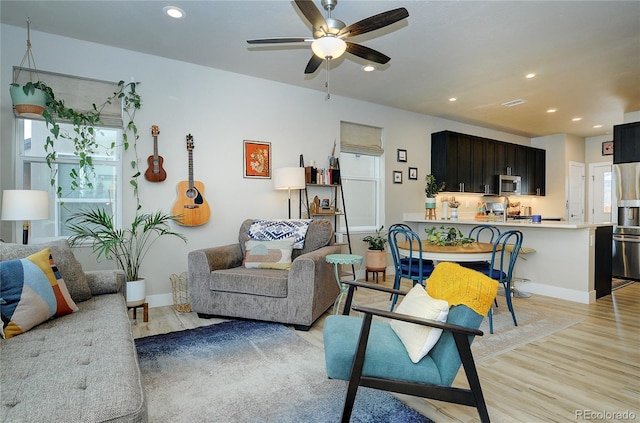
[
  {"x": 360, "y": 170},
  {"x": 360, "y": 177},
  {"x": 33, "y": 173}
]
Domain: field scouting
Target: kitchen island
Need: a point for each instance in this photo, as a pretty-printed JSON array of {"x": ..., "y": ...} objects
[{"x": 571, "y": 261}]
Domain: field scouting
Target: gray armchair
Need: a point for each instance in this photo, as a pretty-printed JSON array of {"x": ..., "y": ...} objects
[{"x": 220, "y": 286}]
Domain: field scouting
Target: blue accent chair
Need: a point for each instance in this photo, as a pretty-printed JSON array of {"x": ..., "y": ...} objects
[
  {"x": 482, "y": 233},
  {"x": 415, "y": 268},
  {"x": 369, "y": 353}
]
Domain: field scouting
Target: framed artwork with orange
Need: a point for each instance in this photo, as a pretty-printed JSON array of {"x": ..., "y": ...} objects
[{"x": 257, "y": 159}]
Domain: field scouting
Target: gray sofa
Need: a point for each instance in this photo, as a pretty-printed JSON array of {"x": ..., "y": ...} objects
[
  {"x": 81, "y": 367},
  {"x": 220, "y": 286}
]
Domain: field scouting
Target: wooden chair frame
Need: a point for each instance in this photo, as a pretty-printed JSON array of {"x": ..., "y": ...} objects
[{"x": 471, "y": 397}]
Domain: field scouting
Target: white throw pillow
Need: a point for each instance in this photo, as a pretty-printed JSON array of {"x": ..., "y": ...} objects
[{"x": 417, "y": 339}]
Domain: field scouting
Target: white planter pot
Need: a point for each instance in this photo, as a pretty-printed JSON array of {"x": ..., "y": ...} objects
[
  {"x": 429, "y": 203},
  {"x": 136, "y": 292},
  {"x": 454, "y": 214}
]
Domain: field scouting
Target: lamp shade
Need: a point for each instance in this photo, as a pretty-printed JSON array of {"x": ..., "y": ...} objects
[
  {"x": 24, "y": 204},
  {"x": 328, "y": 47},
  {"x": 289, "y": 178}
]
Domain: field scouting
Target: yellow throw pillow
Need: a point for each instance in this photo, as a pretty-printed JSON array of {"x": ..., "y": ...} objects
[
  {"x": 32, "y": 292},
  {"x": 417, "y": 339}
]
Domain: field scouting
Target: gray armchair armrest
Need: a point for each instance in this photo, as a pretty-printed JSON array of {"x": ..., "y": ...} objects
[
  {"x": 202, "y": 262},
  {"x": 105, "y": 281},
  {"x": 311, "y": 278}
]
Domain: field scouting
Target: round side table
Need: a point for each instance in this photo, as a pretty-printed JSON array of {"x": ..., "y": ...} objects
[{"x": 336, "y": 260}]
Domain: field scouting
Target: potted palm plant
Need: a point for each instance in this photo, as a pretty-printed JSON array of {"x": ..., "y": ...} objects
[
  {"x": 128, "y": 247},
  {"x": 376, "y": 256}
]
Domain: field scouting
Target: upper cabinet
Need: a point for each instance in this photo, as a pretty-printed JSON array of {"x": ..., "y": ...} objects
[
  {"x": 626, "y": 143},
  {"x": 467, "y": 163}
]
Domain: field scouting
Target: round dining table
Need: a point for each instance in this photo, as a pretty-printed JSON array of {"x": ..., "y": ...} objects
[{"x": 475, "y": 251}]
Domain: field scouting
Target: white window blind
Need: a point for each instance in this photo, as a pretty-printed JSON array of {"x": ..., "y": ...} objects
[
  {"x": 360, "y": 139},
  {"x": 78, "y": 93}
]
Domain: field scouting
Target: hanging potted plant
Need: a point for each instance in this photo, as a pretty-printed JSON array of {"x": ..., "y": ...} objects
[
  {"x": 128, "y": 247},
  {"x": 376, "y": 256},
  {"x": 29, "y": 100},
  {"x": 83, "y": 136},
  {"x": 431, "y": 189}
]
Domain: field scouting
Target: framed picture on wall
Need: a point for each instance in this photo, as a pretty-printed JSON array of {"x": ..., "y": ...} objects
[
  {"x": 413, "y": 173},
  {"x": 256, "y": 159},
  {"x": 402, "y": 155},
  {"x": 397, "y": 177},
  {"x": 607, "y": 148}
]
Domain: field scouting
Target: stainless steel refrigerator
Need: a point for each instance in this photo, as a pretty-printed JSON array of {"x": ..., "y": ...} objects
[{"x": 626, "y": 233}]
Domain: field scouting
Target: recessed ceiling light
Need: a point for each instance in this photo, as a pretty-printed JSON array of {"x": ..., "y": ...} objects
[
  {"x": 368, "y": 68},
  {"x": 530, "y": 75},
  {"x": 576, "y": 119},
  {"x": 552, "y": 110},
  {"x": 597, "y": 126},
  {"x": 453, "y": 99},
  {"x": 174, "y": 12}
]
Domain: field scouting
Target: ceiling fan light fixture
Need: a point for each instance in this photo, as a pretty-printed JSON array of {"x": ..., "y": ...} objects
[{"x": 328, "y": 47}]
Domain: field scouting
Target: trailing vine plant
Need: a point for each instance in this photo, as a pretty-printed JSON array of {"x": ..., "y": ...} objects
[{"x": 84, "y": 133}]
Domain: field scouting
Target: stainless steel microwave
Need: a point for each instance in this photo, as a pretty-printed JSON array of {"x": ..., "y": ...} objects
[{"x": 509, "y": 185}]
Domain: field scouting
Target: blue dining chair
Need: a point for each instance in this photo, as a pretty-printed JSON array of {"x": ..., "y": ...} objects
[
  {"x": 412, "y": 267},
  {"x": 482, "y": 233},
  {"x": 503, "y": 260}
]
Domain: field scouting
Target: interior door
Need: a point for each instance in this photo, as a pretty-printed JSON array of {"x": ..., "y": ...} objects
[
  {"x": 575, "y": 201},
  {"x": 600, "y": 198}
]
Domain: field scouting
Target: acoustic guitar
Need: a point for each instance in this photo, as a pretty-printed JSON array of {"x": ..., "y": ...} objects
[
  {"x": 155, "y": 172},
  {"x": 191, "y": 206}
]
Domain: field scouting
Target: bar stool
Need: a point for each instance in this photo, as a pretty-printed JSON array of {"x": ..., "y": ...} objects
[{"x": 336, "y": 260}]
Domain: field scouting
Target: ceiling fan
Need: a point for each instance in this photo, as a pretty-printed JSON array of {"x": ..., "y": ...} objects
[{"x": 329, "y": 34}]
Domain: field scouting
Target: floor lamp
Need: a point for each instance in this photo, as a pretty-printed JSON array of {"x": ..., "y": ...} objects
[
  {"x": 25, "y": 205},
  {"x": 289, "y": 178}
]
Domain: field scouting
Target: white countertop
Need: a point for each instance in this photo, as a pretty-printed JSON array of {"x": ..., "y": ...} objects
[{"x": 419, "y": 218}]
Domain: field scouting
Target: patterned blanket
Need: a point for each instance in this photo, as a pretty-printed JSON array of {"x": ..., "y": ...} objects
[{"x": 274, "y": 230}]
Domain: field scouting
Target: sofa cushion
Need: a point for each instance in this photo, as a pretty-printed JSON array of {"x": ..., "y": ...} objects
[
  {"x": 262, "y": 282},
  {"x": 81, "y": 367},
  {"x": 68, "y": 265},
  {"x": 268, "y": 254},
  {"x": 32, "y": 292}
]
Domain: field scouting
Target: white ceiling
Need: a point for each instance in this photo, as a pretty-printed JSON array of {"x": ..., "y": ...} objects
[{"x": 586, "y": 54}]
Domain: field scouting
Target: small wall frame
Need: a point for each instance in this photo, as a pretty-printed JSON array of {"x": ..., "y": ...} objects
[{"x": 397, "y": 177}]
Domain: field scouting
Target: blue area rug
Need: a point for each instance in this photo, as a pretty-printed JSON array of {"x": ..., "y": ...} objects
[{"x": 246, "y": 371}]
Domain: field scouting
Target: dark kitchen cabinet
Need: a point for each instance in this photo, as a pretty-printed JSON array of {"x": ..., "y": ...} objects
[
  {"x": 467, "y": 163},
  {"x": 626, "y": 143}
]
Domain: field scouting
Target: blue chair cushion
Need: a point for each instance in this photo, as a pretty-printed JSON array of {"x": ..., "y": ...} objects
[
  {"x": 414, "y": 268},
  {"x": 386, "y": 356}
]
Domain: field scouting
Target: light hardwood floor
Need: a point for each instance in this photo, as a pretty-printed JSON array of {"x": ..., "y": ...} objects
[{"x": 591, "y": 367}]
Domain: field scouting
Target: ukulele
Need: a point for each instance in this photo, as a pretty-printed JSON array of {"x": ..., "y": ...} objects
[
  {"x": 191, "y": 206},
  {"x": 155, "y": 172}
]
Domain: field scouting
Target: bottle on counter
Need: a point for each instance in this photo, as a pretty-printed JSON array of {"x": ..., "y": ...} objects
[{"x": 492, "y": 216}]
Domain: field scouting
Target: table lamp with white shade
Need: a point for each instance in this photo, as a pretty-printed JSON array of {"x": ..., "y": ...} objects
[
  {"x": 25, "y": 205},
  {"x": 289, "y": 178}
]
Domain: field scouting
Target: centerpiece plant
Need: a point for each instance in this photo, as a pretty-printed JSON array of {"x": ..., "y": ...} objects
[{"x": 446, "y": 236}]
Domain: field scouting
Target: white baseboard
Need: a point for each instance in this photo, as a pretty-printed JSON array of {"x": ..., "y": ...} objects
[{"x": 557, "y": 292}]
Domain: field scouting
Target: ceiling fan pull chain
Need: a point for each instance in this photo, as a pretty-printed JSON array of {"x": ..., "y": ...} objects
[{"x": 327, "y": 83}]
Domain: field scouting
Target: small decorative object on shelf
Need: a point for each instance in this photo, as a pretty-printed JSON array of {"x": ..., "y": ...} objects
[
  {"x": 454, "y": 209},
  {"x": 446, "y": 236},
  {"x": 431, "y": 189}
]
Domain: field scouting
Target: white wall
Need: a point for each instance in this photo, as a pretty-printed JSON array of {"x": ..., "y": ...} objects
[{"x": 221, "y": 109}]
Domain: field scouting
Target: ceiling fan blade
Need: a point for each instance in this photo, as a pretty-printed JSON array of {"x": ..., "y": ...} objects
[
  {"x": 314, "y": 64},
  {"x": 367, "y": 53},
  {"x": 375, "y": 22},
  {"x": 279, "y": 40},
  {"x": 311, "y": 12}
]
